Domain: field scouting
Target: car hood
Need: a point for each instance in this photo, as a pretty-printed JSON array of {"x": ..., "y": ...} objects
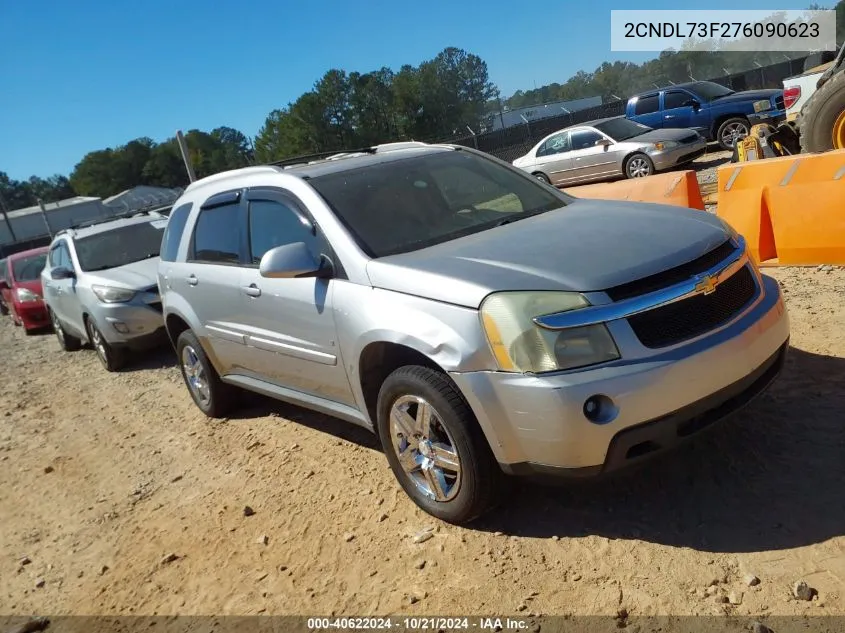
[
  {"x": 749, "y": 95},
  {"x": 589, "y": 245},
  {"x": 654, "y": 136},
  {"x": 135, "y": 276}
]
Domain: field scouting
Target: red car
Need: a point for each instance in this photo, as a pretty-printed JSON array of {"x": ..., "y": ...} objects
[{"x": 20, "y": 285}]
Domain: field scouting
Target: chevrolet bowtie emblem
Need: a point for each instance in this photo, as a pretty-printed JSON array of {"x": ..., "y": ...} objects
[{"x": 706, "y": 285}]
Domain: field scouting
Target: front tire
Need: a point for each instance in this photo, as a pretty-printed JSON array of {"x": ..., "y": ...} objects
[
  {"x": 822, "y": 126},
  {"x": 542, "y": 177},
  {"x": 638, "y": 166},
  {"x": 736, "y": 126},
  {"x": 435, "y": 447},
  {"x": 213, "y": 397},
  {"x": 67, "y": 342},
  {"x": 111, "y": 357}
]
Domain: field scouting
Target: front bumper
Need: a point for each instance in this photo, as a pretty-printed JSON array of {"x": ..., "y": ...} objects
[
  {"x": 129, "y": 324},
  {"x": 678, "y": 155},
  {"x": 535, "y": 423},
  {"x": 772, "y": 117},
  {"x": 32, "y": 314}
]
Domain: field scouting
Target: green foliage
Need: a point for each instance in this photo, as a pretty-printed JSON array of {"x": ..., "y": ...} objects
[
  {"x": 143, "y": 162},
  {"x": 17, "y": 194}
]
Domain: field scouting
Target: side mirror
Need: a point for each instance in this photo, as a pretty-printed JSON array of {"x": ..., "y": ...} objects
[
  {"x": 61, "y": 273},
  {"x": 290, "y": 261},
  {"x": 603, "y": 142},
  {"x": 693, "y": 103},
  {"x": 4, "y": 284}
]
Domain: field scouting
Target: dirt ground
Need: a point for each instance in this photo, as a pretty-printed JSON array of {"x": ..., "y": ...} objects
[{"x": 118, "y": 497}]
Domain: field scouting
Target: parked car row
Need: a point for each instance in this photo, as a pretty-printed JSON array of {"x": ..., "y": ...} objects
[
  {"x": 478, "y": 321},
  {"x": 661, "y": 130}
]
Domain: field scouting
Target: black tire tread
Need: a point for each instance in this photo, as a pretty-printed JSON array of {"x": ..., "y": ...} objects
[
  {"x": 632, "y": 157},
  {"x": 819, "y": 138},
  {"x": 490, "y": 474},
  {"x": 72, "y": 343},
  {"x": 116, "y": 356}
]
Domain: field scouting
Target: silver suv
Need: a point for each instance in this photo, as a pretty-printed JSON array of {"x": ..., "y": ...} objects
[
  {"x": 478, "y": 320},
  {"x": 100, "y": 286}
]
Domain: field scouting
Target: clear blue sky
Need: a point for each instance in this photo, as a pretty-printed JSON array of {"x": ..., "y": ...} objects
[{"x": 80, "y": 76}]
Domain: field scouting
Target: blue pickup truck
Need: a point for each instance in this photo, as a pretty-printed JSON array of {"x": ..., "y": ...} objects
[{"x": 717, "y": 113}]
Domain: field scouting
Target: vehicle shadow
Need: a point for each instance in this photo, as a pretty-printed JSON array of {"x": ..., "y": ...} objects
[
  {"x": 253, "y": 405},
  {"x": 769, "y": 478},
  {"x": 162, "y": 357}
]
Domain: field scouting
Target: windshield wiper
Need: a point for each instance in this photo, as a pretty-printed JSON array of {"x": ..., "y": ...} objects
[{"x": 515, "y": 217}]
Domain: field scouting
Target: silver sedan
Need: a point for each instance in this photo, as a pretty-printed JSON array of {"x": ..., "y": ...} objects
[{"x": 609, "y": 148}]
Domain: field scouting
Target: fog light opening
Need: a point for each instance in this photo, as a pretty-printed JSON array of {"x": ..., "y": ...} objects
[
  {"x": 599, "y": 409},
  {"x": 121, "y": 327}
]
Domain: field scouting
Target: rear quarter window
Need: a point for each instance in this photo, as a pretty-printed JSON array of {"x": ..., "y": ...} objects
[
  {"x": 647, "y": 104},
  {"x": 174, "y": 231}
]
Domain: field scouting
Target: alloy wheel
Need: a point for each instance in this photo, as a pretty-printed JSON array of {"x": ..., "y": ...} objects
[
  {"x": 195, "y": 375},
  {"x": 426, "y": 450},
  {"x": 638, "y": 167},
  {"x": 733, "y": 133}
]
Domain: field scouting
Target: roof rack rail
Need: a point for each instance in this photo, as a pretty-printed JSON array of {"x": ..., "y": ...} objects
[
  {"x": 307, "y": 158},
  {"x": 112, "y": 218}
]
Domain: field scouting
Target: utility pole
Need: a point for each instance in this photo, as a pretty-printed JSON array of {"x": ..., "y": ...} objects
[
  {"x": 183, "y": 147},
  {"x": 44, "y": 215},
  {"x": 5, "y": 212}
]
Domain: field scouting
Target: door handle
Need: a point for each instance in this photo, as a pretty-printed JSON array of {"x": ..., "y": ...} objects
[
  {"x": 192, "y": 280},
  {"x": 252, "y": 290},
  {"x": 669, "y": 116}
]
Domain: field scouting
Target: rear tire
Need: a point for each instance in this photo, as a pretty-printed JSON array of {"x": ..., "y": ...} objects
[
  {"x": 67, "y": 342},
  {"x": 435, "y": 447},
  {"x": 822, "y": 125},
  {"x": 211, "y": 395},
  {"x": 542, "y": 177},
  {"x": 111, "y": 357},
  {"x": 725, "y": 133}
]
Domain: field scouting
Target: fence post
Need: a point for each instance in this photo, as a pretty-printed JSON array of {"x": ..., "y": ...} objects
[{"x": 474, "y": 137}]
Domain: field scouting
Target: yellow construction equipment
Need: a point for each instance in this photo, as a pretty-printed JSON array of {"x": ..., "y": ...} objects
[{"x": 767, "y": 141}]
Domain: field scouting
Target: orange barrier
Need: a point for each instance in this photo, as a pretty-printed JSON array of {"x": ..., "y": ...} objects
[
  {"x": 809, "y": 223},
  {"x": 678, "y": 188},
  {"x": 789, "y": 208}
]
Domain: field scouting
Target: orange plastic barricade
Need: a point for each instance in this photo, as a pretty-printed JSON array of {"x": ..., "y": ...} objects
[
  {"x": 754, "y": 197},
  {"x": 678, "y": 188},
  {"x": 809, "y": 222}
]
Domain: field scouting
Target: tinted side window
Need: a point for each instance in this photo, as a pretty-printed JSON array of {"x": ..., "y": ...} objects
[
  {"x": 555, "y": 145},
  {"x": 675, "y": 99},
  {"x": 584, "y": 139},
  {"x": 647, "y": 105},
  {"x": 60, "y": 256},
  {"x": 173, "y": 232},
  {"x": 217, "y": 235},
  {"x": 272, "y": 224}
]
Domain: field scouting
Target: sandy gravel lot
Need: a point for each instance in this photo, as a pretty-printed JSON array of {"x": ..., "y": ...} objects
[{"x": 118, "y": 497}]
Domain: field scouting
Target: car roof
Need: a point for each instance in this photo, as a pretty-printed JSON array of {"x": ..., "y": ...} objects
[
  {"x": 592, "y": 123},
  {"x": 355, "y": 160},
  {"x": 307, "y": 167},
  {"x": 110, "y": 224},
  {"x": 28, "y": 253}
]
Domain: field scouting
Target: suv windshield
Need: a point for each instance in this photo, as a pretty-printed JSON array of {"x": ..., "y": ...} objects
[
  {"x": 710, "y": 91},
  {"x": 120, "y": 246},
  {"x": 621, "y": 129},
  {"x": 28, "y": 268},
  {"x": 407, "y": 204}
]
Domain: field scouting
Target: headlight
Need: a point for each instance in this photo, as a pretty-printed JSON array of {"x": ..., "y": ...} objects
[
  {"x": 110, "y": 294},
  {"x": 25, "y": 296},
  {"x": 659, "y": 147},
  {"x": 762, "y": 105},
  {"x": 520, "y": 345}
]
